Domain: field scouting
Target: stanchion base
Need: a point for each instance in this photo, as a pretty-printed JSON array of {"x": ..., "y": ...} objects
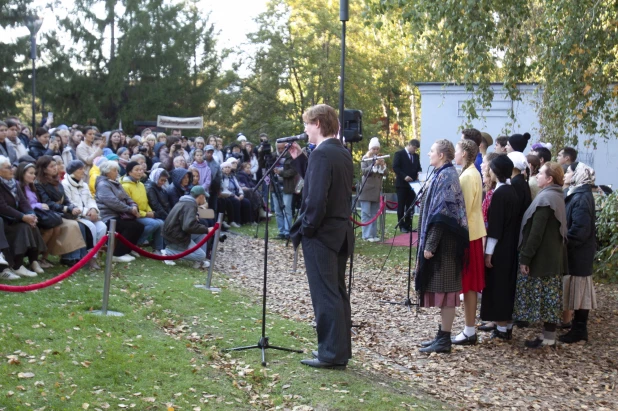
[
  {"x": 213, "y": 289},
  {"x": 108, "y": 313}
]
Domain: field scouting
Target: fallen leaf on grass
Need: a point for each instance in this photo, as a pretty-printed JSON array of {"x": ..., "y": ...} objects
[{"x": 25, "y": 375}]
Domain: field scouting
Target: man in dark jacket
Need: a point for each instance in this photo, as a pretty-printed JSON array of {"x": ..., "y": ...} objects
[
  {"x": 324, "y": 228},
  {"x": 406, "y": 166},
  {"x": 182, "y": 229}
]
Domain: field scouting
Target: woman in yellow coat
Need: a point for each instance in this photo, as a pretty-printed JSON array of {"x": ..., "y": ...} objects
[
  {"x": 473, "y": 273},
  {"x": 137, "y": 191}
]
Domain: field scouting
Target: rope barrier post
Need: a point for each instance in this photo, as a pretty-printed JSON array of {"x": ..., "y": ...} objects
[
  {"x": 383, "y": 221},
  {"x": 213, "y": 255},
  {"x": 111, "y": 242}
]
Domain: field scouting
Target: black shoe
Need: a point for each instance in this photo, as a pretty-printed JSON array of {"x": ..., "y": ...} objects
[
  {"x": 469, "y": 340},
  {"x": 538, "y": 343},
  {"x": 442, "y": 344},
  {"x": 487, "y": 328},
  {"x": 404, "y": 230},
  {"x": 565, "y": 326},
  {"x": 281, "y": 236},
  {"x": 501, "y": 335},
  {"x": 428, "y": 343},
  {"x": 315, "y": 363},
  {"x": 315, "y": 354},
  {"x": 579, "y": 332},
  {"x": 522, "y": 324}
]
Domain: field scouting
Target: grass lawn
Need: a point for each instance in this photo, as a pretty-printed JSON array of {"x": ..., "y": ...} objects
[{"x": 165, "y": 353}]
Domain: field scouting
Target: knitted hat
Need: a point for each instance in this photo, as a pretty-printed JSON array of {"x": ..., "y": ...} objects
[
  {"x": 100, "y": 160},
  {"x": 502, "y": 166},
  {"x": 374, "y": 142},
  {"x": 519, "y": 142},
  {"x": 488, "y": 139},
  {"x": 519, "y": 160},
  {"x": 226, "y": 164},
  {"x": 131, "y": 165},
  {"x": 112, "y": 157},
  {"x": 541, "y": 144},
  {"x": 121, "y": 150},
  {"x": 241, "y": 137},
  {"x": 197, "y": 191},
  {"x": 74, "y": 166}
]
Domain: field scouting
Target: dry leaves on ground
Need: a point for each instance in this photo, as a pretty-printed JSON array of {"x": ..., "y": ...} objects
[{"x": 488, "y": 375}]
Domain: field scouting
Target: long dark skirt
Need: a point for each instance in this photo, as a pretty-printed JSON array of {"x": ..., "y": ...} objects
[{"x": 131, "y": 230}]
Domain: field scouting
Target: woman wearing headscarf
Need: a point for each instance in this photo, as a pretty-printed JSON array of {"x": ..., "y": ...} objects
[
  {"x": 501, "y": 251},
  {"x": 78, "y": 193},
  {"x": 443, "y": 239},
  {"x": 371, "y": 184},
  {"x": 543, "y": 257},
  {"x": 19, "y": 220},
  {"x": 157, "y": 196},
  {"x": 72, "y": 241},
  {"x": 579, "y": 293}
]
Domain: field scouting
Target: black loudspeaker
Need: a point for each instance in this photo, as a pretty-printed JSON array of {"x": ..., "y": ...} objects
[
  {"x": 353, "y": 125},
  {"x": 344, "y": 10}
]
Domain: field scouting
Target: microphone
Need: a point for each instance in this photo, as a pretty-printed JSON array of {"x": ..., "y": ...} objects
[
  {"x": 292, "y": 139},
  {"x": 381, "y": 157}
]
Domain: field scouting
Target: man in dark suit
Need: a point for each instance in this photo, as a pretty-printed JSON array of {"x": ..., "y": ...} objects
[
  {"x": 324, "y": 228},
  {"x": 406, "y": 166}
]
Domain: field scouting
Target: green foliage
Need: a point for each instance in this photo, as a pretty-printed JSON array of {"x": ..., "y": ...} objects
[
  {"x": 568, "y": 46},
  {"x": 606, "y": 260}
]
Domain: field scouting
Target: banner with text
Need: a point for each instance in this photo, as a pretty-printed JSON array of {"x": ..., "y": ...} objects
[{"x": 180, "y": 122}]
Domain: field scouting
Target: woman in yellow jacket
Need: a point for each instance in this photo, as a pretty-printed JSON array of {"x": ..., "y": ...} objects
[
  {"x": 473, "y": 273},
  {"x": 137, "y": 191}
]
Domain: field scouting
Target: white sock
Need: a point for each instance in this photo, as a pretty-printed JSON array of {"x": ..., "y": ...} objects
[
  {"x": 501, "y": 328},
  {"x": 469, "y": 331},
  {"x": 460, "y": 337}
]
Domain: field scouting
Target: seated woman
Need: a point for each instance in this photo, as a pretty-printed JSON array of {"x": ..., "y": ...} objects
[
  {"x": 245, "y": 179},
  {"x": 73, "y": 238},
  {"x": 136, "y": 190},
  {"x": 181, "y": 185},
  {"x": 115, "y": 204},
  {"x": 22, "y": 234},
  {"x": 238, "y": 207},
  {"x": 157, "y": 196},
  {"x": 78, "y": 194}
]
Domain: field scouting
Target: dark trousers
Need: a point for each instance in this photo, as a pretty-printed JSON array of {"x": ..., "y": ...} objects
[
  {"x": 405, "y": 197},
  {"x": 131, "y": 230},
  {"x": 331, "y": 303}
]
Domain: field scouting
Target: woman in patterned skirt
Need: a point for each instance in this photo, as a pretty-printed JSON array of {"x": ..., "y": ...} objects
[
  {"x": 443, "y": 239},
  {"x": 543, "y": 257}
]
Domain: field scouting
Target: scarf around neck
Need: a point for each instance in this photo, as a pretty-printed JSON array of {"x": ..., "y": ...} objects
[
  {"x": 442, "y": 204},
  {"x": 551, "y": 196}
]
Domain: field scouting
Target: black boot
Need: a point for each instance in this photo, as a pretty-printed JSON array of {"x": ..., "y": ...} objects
[
  {"x": 428, "y": 343},
  {"x": 441, "y": 344},
  {"x": 578, "y": 332}
]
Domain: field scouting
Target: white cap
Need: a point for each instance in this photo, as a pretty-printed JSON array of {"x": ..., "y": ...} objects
[
  {"x": 374, "y": 142},
  {"x": 241, "y": 137},
  {"x": 518, "y": 159}
]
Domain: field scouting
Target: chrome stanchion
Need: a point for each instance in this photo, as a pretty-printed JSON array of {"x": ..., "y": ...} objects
[
  {"x": 213, "y": 255},
  {"x": 111, "y": 242}
]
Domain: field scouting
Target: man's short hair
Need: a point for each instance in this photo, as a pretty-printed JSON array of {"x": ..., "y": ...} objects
[
  {"x": 472, "y": 134},
  {"x": 415, "y": 143},
  {"x": 570, "y": 152},
  {"x": 11, "y": 123},
  {"x": 502, "y": 140},
  {"x": 543, "y": 153},
  {"x": 326, "y": 116}
]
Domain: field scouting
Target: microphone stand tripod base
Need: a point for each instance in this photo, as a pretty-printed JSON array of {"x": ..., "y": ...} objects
[
  {"x": 406, "y": 303},
  {"x": 263, "y": 345}
]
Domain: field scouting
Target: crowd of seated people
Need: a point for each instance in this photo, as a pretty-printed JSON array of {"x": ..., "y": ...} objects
[{"x": 60, "y": 187}]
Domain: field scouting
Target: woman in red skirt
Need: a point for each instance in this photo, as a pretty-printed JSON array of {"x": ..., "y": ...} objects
[{"x": 473, "y": 274}]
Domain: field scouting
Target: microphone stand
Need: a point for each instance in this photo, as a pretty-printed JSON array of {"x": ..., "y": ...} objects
[
  {"x": 407, "y": 302},
  {"x": 263, "y": 344}
]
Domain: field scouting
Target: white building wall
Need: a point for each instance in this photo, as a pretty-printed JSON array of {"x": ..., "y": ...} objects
[{"x": 442, "y": 117}]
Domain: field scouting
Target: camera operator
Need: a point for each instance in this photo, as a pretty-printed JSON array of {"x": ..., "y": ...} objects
[{"x": 172, "y": 149}]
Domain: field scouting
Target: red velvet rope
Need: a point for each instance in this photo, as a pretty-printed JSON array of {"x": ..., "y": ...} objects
[
  {"x": 392, "y": 205},
  {"x": 380, "y": 211},
  {"x": 52, "y": 281},
  {"x": 145, "y": 253}
]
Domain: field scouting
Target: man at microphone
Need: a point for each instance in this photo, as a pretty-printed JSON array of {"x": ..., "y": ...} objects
[
  {"x": 406, "y": 166},
  {"x": 324, "y": 229}
]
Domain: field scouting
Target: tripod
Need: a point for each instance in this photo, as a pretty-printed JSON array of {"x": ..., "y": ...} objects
[
  {"x": 407, "y": 302},
  {"x": 263, "y": 344}
]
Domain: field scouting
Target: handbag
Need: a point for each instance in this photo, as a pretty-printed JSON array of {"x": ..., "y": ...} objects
[{"x": 47, "y": 218}]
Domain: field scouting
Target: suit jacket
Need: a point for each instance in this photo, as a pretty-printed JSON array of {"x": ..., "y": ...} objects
[
  {"x": 402, "y": 166},
  {"x": 326, "y": 202}
]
